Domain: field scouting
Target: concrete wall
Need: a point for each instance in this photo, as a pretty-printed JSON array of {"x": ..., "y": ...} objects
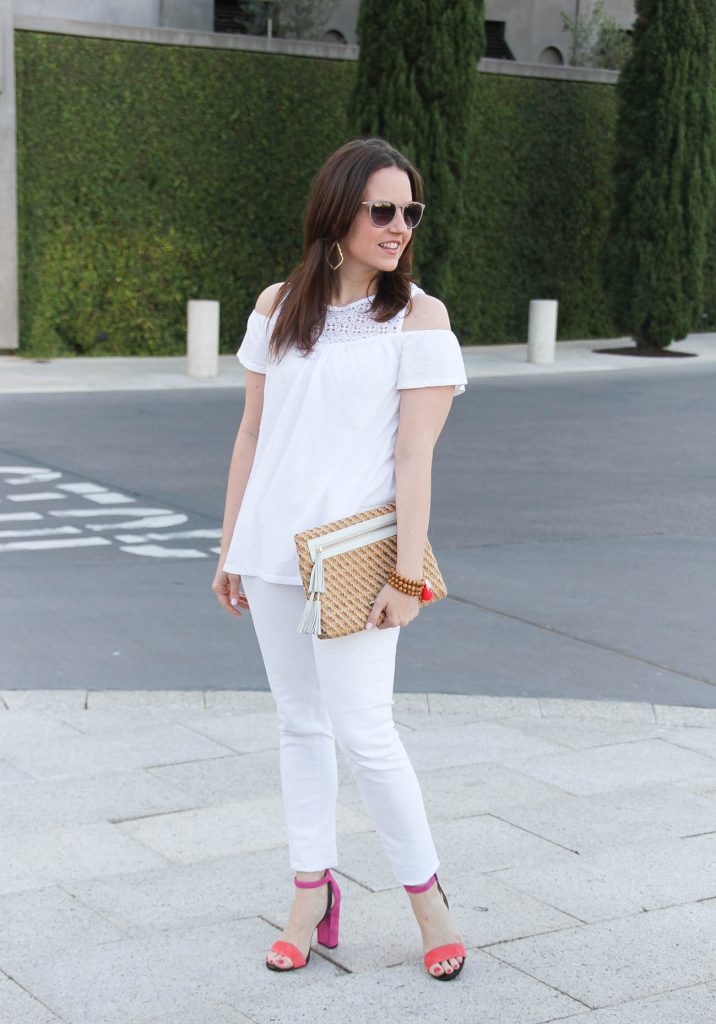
[
  {"x": 533, "y": 28},
  {"x": 187, "y": 14}
]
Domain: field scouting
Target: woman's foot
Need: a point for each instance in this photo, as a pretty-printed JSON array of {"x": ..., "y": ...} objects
[
  {"x": 309, "y": 907},
  {"x": 436, "y": 927}
]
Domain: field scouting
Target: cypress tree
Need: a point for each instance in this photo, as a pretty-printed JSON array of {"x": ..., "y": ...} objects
[
  {"x": 415, "y": 87},
  {"x": 665, "y": 172}
]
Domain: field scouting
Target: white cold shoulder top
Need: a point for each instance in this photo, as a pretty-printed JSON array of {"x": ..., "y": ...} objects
[{"x": 326, "y": 445}]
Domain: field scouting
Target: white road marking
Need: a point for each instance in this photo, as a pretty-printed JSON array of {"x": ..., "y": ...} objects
[
  {"x": 123, "y": 511},
  {"x": 82, "y": 488},
  {"x": 39, "y": 478},
  {"x": 170, "y": 520},
  {"x": 6, "y": 517},
  {"x": 175, "y": 534},
  {"x": 40, "y": 532},
  {"x": 157, "y": 551},
  {"x": 33, "y": 545},
  {"x": 108, "y": 497},
  {"x": 37, "y": 496},
  {"x": 118, "y": 511}
]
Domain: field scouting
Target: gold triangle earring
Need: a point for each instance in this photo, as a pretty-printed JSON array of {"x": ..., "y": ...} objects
[{"x": 340, "y": 252}]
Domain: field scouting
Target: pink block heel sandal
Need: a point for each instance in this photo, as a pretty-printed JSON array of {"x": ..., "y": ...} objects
[
  {"x": 327, "y": 927},
  {"x": 440, "y": 953}
]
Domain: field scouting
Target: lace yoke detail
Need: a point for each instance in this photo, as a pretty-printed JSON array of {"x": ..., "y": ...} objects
[{"x": 344, "y": 323}]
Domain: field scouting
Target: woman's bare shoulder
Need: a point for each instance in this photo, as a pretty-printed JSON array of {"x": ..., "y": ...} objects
[
  {"x": 266, "y": 298},
  {"x": 426, "y": 313}
]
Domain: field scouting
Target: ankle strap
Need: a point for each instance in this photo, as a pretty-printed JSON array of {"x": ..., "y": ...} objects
[
  {"x": 421, "y": 888},
  {"x": 312, "y": 885}
]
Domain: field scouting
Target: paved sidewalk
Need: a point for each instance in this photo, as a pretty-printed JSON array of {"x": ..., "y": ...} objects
[
  {"x": 145, "y": 869},
  {"x": 110, "y": 373}
]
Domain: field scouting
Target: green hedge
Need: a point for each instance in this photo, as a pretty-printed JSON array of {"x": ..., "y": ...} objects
[{"x": 151, "y": 174}]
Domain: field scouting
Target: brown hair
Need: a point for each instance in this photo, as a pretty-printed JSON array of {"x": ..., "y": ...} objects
[{"x": 336, "y": 194}]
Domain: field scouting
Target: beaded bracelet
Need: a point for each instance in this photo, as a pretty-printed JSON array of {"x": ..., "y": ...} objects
[{"x": 405, "y": 585}]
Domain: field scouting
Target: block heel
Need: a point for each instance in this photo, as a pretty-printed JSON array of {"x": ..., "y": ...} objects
[{"x": 327, "y": 933}]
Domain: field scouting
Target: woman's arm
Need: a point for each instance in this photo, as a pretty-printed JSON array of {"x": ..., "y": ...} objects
[
  {"x": 423, "y": 412},
  {"x": 422, "y": 415},
  {"x": 242, "y": 458}
]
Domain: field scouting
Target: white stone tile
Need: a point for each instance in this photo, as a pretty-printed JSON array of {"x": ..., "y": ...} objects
[
  {"x": 180, "y": 896},
  {"x": 695, "y": 1004},
  {"x": 52, "y": 803},
  {"x": 696, "y": 738},
  {"x": 409, "y": 702},
  {"x": 476, "y": 707},
  {"x": 580, "y": 733},
  {"x": 668, "y": 714},
  {"x": 33, "y": 859},
  {"x": 20, "y": 1007},
  {"x": 158, "y": 975},
  {"x": 486, "y": 842},
  {"x": 600, "y": 769},
  {"x": 11, "y": 775},
  {"x": 243, "y": 702},
  {"x": 628, "y": 958},
  {"x": 465, "y": 790},
  {"x": 124, "y": 718},
  {"x": 205, "y": 1012},
  {"x": 615, "y": 710},
  {"x": 28, "y": 729},
  {"x": 219, "y": 780},
  {"x": 600, "y": 821},
  {"x": 622, "y": 880},
  {"x": 485, "y": 991},
  {"x": 378, "y": 929},
  {"x": 81, "y": 756},
  {"x": 481, "y": 843},
  {"x": 39, "y": 922},
  {"x": 145, "y": 698},
  {"x": 236, "y": 827},
  {"x": 471, "y": 744},
  {"x": 243, "y": 733},
  {"x": 42, "y": 700}
]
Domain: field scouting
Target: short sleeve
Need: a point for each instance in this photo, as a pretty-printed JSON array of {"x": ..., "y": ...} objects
[
  {"x": 429, "y": 358},
  {"x": 253, "y": 351}
]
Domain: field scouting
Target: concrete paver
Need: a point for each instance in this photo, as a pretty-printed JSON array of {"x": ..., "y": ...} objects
[{"x": 577, "y": 842}]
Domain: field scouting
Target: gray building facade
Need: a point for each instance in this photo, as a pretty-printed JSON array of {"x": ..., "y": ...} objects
[
  {"x": 527, "y": 31},
  {"x": 531, "y": 29}
]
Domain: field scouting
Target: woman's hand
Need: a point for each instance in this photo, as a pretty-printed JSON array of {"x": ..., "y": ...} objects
[
  {"x": 392, "y": 608},
  {"x": 226, "y": 587}
]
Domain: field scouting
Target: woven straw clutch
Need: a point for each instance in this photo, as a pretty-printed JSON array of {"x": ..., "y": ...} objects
[{"x": 344, "y": 565}]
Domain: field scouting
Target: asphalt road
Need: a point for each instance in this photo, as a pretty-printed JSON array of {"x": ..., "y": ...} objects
[{"x": 573, "y": 517}]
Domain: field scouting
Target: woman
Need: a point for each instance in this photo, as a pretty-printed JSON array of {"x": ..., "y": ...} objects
[{"x": 350, "y": 374}]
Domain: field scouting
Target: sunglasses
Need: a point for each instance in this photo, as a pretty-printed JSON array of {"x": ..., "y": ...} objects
[{"x": 382, "y": 212}]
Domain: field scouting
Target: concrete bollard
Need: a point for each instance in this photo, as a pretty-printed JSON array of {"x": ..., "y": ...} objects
[
  {"x": 202, "y": 338},
  {"x": 542, "y": 330}
]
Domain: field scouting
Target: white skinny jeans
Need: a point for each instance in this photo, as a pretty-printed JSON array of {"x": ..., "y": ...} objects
[{"x": 338, "y": 689}]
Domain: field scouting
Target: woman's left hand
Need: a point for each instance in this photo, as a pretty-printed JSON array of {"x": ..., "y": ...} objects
[{"x": 392, "y": 608}]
